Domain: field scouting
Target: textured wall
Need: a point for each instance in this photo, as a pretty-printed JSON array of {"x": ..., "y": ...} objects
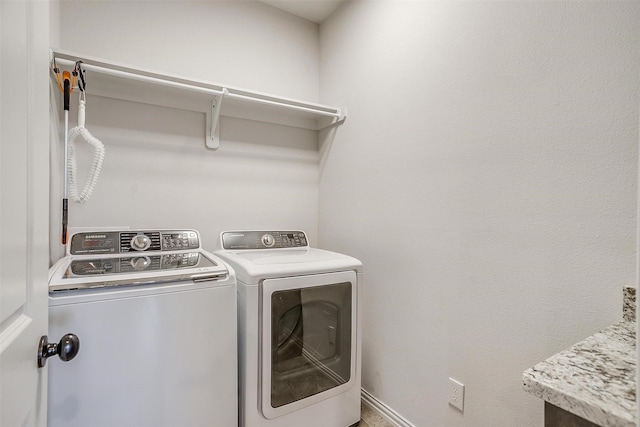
[
  {"x": 238, "y": 43},
  {"x": 157, "y": 172},
  {"x": 486, "y": 176}
]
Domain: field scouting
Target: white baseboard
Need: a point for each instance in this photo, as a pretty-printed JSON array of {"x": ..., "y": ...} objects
[{"x": 383, "y": 410}]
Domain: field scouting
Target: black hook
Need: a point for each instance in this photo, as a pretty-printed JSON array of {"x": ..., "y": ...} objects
[{"x": 82, "y": 79}]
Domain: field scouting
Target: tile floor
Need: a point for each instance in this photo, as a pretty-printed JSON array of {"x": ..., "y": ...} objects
[{"x": 369, "y": 418}]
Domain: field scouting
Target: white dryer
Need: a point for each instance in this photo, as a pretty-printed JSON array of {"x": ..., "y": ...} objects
[{"x": 298, "y": 330}]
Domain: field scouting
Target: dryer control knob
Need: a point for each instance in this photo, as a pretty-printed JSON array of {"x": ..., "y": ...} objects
[
  {"x": 140, "y": 242},
  {"x": 268, "y": 240}
]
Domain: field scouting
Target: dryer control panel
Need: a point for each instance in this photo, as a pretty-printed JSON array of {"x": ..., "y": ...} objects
[
  {"x": 115, "y": 242},
  {"x": 264, "y": 239}
]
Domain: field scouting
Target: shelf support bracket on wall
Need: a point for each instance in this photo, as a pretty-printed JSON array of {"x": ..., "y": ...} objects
[{"x": 212, "y": 139}]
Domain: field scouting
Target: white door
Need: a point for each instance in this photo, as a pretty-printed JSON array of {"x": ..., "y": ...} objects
[{"x": 24, "y": 207}]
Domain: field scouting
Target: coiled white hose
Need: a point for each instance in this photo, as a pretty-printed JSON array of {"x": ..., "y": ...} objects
[{"x": 98, "y": 157}]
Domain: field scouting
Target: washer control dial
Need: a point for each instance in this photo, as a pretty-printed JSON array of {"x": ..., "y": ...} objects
[
  {"x": 140, "y": 242},
  {"x": 268, "y": 240},
  {"x": 140, "y": 263}
]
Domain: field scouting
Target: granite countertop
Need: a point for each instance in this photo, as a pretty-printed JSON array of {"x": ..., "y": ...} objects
[{"x": 596, "y": 378}]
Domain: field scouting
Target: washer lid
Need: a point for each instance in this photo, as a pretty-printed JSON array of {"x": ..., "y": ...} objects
[
  {"x": 253, "y": 266},
  {"x": 82, "y": 272}
]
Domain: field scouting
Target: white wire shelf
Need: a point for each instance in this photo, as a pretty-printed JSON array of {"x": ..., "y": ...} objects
[{"x": 113, "y": 80}]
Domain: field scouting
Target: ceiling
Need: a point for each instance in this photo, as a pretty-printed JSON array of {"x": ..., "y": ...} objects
[{"x": 312, "y": 10}]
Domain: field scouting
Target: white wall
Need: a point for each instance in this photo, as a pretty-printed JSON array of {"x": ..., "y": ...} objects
[
  {"x": 486, "y": 176},
  {"x": 238, "y": 43},
  {"x": 157, "y": 172}
]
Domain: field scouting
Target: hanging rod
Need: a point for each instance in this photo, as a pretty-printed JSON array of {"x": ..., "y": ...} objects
[{"x": 232, "y": 95}]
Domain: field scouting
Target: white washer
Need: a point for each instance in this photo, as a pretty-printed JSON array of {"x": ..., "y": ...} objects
[
  {"x": 155, "y": 315},
  {"x": 298, "y": 330}
]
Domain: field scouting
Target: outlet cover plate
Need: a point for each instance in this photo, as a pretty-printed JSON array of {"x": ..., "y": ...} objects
[{"x": 456, "y": 394}]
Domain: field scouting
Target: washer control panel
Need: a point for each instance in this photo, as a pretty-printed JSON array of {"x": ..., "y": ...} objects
[
  {"x": 263, "y": 239},
  {"x": 114, "y": 242}
]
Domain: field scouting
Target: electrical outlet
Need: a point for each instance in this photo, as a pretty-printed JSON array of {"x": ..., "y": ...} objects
[{"x": 456, "y": 394}]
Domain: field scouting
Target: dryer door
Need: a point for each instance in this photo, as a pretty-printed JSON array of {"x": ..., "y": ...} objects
[{"x": 308, "y": 340}]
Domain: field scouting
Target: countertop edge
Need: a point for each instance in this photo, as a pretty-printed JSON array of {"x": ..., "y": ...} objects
[{"x": 565, "y": 379}]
